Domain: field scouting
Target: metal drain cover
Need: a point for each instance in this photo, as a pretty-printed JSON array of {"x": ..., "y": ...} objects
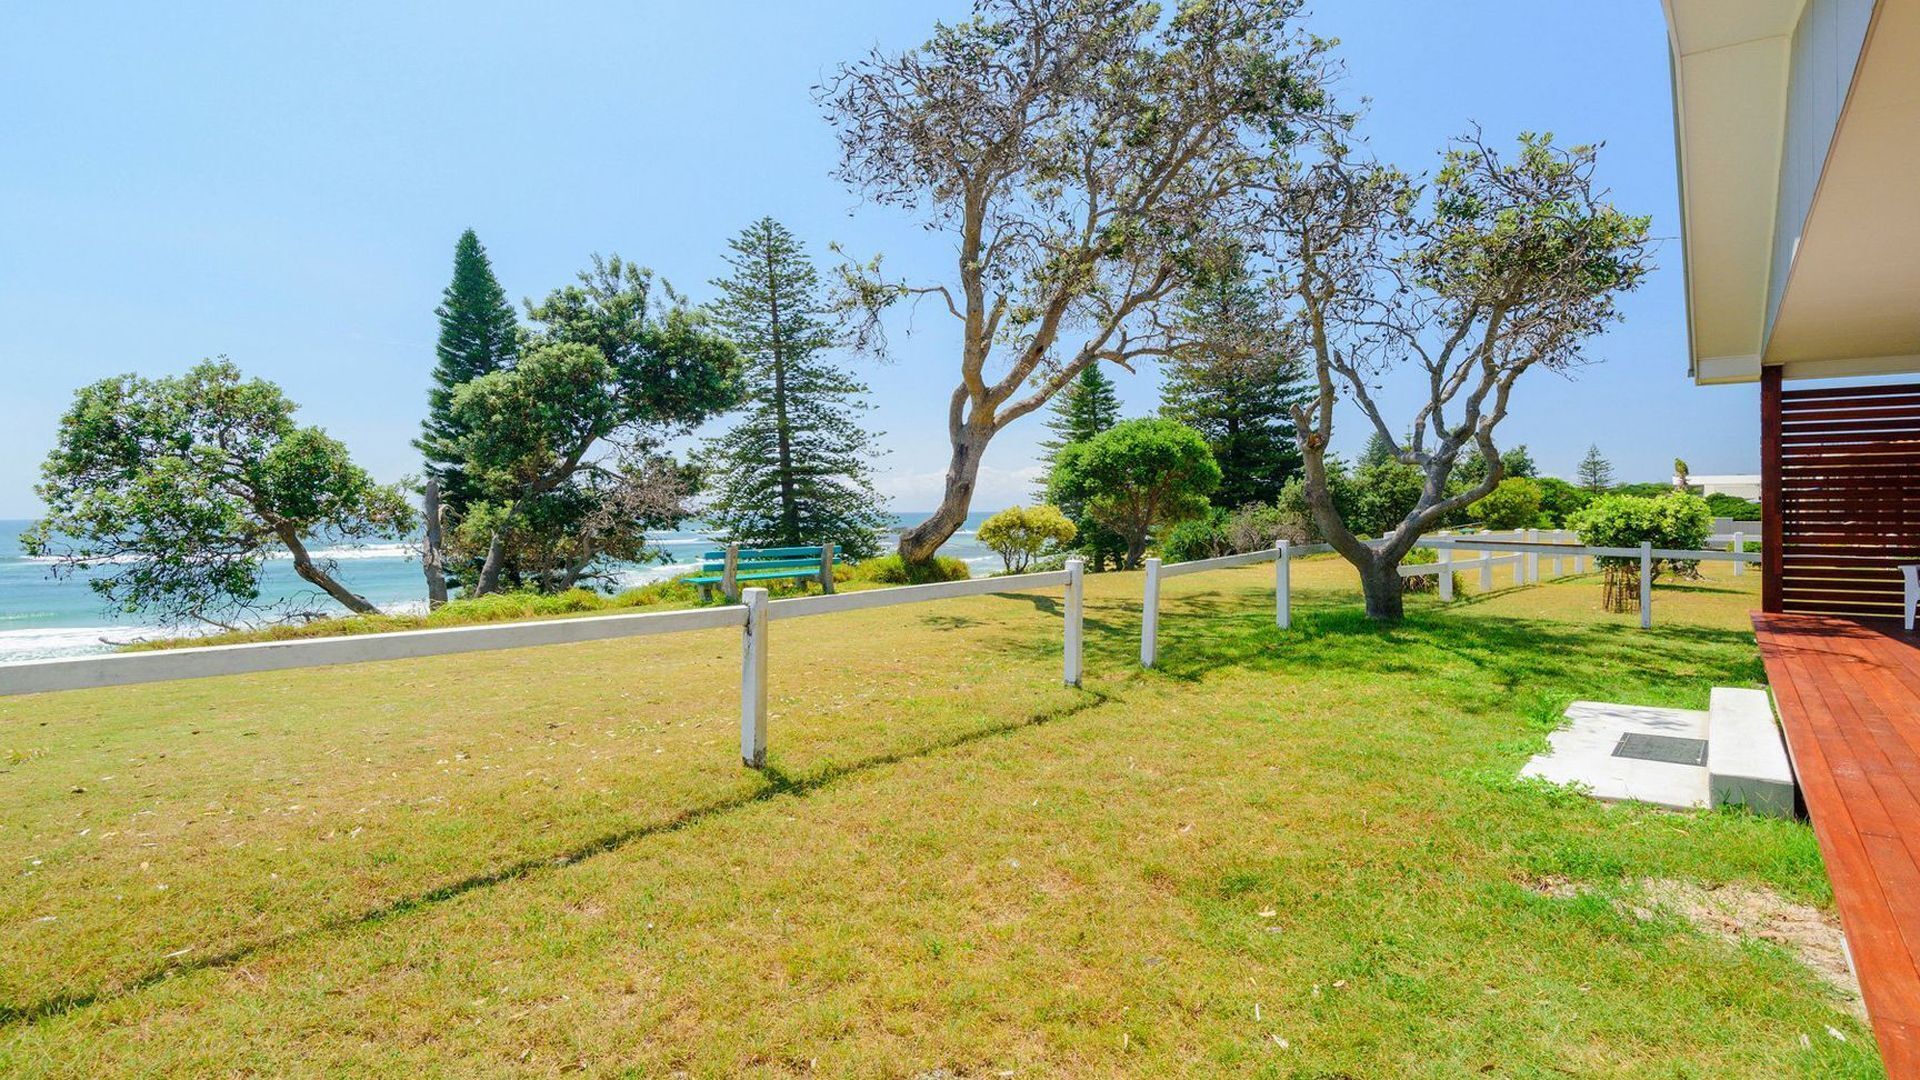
[{"x": 1667, "y": 748}]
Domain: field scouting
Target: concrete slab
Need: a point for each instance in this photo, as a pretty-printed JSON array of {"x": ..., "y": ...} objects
[
  {"x": 1582, "y": 753},
  {"x": 1747, "y": 765}
]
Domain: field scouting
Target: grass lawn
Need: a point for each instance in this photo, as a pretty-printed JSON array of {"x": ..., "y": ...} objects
[{"x": 1295, "y": 853}]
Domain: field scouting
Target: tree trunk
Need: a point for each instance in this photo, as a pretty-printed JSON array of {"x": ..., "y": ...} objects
[
  {"x": 490, "y": 569},
  {"x": 1381, "y": 582},
  {"x": 433, "y": 559},
  {"x": 918, "y": 544},
  {"x": 1136, "y": 549},
  {"x": 783, "y": 429},
  {"x": 313, "y": 575}
]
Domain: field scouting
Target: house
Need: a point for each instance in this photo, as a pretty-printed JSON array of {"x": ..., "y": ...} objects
[
  {"x": 1797, "y": 125},
  {"x": 1798, "y": 129}
]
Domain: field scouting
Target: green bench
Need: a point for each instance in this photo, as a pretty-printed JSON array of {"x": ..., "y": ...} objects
[{"x": 728, "y": 568}]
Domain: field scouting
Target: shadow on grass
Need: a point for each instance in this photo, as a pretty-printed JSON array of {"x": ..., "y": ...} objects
[
  {"x": 1202, "y": 633},
  {"x": 778, "y": 783}
]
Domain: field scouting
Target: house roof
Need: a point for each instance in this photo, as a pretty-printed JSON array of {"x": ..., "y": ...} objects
[{"x": 1796, "y": 123}]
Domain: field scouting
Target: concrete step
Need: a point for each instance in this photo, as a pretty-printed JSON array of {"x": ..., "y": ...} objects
[{"x": 1747, "y": 763}]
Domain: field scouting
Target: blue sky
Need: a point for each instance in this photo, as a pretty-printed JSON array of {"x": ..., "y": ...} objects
[{"x": 284, "y": 184}]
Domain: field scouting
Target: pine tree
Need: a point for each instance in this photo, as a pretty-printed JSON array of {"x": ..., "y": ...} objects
[
  {"x": 1241, "y": 404},
  {"x": 1378, "y": 452},
  {"x": 1088, "y": 406},
  {"x": 796, "y": 470},
  {"x": 478, "y": 334},
  {"x": 1596, "y": 472}
]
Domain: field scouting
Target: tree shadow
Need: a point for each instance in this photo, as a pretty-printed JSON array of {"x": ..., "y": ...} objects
[{"x": 776, "y": 782}]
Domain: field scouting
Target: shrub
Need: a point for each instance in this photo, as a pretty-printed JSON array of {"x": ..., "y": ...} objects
[
  {"x": 1197, "y": 538},
  {"x": 1513, "y": 504},
  {"x": 1425, "y": 582},
  {"x": 891, "y": 570},
  {"x": 1019, "y": 534},
  {"x": 1138, "y": 476},
  {"x": 1560, "y": 500},
  {"x": 1733, "y": 506},
  {"x": 1672, "y": 520}
]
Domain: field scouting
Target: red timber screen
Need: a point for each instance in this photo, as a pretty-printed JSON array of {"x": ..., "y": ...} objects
[{"x": 1842, "y": 496}]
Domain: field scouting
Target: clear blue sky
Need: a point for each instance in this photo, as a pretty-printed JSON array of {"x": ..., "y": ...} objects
[{"x": 284, "y": 184}]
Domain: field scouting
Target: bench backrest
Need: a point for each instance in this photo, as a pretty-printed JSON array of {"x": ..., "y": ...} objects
[{"x": 783, "y": 558}]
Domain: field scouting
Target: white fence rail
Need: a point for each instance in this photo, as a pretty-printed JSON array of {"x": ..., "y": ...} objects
[
  {"x": 1523, "y": 551},
  {"x": 751, "y": 617}
]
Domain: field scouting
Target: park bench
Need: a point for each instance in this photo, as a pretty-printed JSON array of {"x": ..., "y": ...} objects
[{"x": 729, "y": 567}]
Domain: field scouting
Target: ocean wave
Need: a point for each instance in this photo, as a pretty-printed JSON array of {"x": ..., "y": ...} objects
[
  {"x": 635, "y": 576},
  {"x": 47, "y": 643},
  {"x": 334, "y": 554}
]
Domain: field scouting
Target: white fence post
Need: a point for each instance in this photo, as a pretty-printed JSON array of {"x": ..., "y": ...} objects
[
  {"x": 1444, "y": 557},
  {"x": 1646, "y": 584},
  {"x": 1150, "y": 616},
  {"x": 1739, "y": 544},
  {"x": 753, "y": 680},
  {"x": 1076, "y": 573},
  {"x": 1532, "y": 560},
  {"x": 1283, "y": 587}
]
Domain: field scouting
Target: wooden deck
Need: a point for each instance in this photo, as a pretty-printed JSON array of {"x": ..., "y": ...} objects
[{"x": 1849, "y": 699}]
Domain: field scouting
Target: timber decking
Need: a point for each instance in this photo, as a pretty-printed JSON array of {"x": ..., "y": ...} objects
[{"x": 1849, "y": 700}]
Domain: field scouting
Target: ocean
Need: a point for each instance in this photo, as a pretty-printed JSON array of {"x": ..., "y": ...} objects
[{"x": 41, "y": 617}]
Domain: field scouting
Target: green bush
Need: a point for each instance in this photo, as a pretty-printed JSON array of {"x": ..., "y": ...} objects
[
  {"x": 1196, "y": 538},
  {"x": 1513, "y": 504},
  {"x": 1672, "y": 520},
  {"x": 1021, "y": 534},
  {"x": 1425, "y": 582},
  {"x": 1560, "y": 500},
  {"x": 1733, "y": 506},
  {"x": 891, "y": 570}
]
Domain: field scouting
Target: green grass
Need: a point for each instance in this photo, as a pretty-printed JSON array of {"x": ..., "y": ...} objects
[{"x": 534, "y": 860}]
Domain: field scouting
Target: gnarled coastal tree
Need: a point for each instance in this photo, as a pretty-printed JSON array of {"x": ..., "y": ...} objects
[
  {"x": 1079, "y": 152},
  {"x": 171, "y": 493},
  {"x": 1508, "y": 264},
  {"x": 566, "y": 446}
]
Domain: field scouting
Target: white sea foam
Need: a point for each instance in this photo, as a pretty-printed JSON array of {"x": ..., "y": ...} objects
[
  {"x": 46, "y": 643},
  {"x": 336, "y": 554},
  {"x": 635, "y": 576}
]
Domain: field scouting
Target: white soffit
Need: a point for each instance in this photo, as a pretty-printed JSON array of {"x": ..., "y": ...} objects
[
  {"x": 1852, "y": 300},
  {"x": 1731, "y": 62}
]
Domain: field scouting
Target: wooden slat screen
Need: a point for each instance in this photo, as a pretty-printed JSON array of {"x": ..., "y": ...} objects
[{"x": 1849, "y": 497}]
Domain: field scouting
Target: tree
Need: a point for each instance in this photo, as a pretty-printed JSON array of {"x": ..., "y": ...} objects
[
  {"x": 1680, "y": 473},
  {"x": 478, "y": 335},
  {"x": 1137, "y": 476},
  {"x": 1514, "y": 503},
  {"x": 1596, "y": 472},
  {"x": 576, "y": 426},
  {"x": 1506, "y": 265},
  {"x": 796, "y": 469},
  {"x": 1515, "y": 462},
  {"x": 1079, "y": 154},
  {"x": 174, "y": 491},
  {"x": 1237, "y": 388},
  {"x": 1673, "y": 520},
  {"x": 1084, "y": 408},
  {"x": 1022, "y": 534}
]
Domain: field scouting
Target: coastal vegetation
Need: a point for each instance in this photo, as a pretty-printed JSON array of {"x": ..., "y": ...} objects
[
  {"x": 1087, "y": 161},
  {"x": 169, "y": 494},
  {"x": 796, "y": 467}
]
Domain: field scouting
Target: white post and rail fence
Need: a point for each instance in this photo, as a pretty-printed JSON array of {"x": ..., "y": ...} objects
[{"x": 756, "y": 613}]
